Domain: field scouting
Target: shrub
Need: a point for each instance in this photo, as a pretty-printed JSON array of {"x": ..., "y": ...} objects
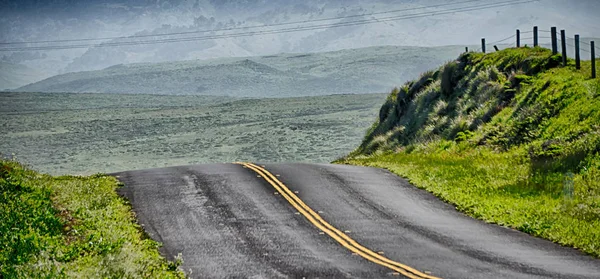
[
  {"x": 424, "y": 80},
  {"x": 449, "y": 78}
]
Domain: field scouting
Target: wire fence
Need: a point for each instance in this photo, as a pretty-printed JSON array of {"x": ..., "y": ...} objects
[
  {"x": 543, "y": 41},
  {"x": 559, "y": 42}
]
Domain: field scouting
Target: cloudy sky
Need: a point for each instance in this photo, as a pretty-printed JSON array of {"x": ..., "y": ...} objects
[{"x": 170, "y": 30}]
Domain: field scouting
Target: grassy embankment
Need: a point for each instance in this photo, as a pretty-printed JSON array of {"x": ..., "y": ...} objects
[
  {"x": 71, "y": 227},
  {"x": 502, "y": 136}
]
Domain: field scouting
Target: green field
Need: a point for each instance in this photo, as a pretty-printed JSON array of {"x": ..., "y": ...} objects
[{"x": 90, "y": 133}]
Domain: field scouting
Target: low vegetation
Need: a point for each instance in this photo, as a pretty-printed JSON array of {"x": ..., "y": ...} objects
[
  {"x": 510, "y": 137},
  {"x": 71, "y": 227},
  {"x": 75, "y": 133}
]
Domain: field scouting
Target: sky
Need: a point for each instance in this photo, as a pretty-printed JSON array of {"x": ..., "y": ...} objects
[{"x": 291, "y": 27}]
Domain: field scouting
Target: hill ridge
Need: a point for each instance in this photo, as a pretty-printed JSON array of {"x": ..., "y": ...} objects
[{"x": 365, "y": 70}]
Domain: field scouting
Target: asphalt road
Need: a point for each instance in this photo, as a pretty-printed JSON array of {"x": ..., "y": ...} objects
[{"x": 228, "y": 220}]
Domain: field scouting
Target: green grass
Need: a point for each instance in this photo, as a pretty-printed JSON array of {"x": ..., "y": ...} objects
[
  {"x": 499, "y": 188},
  {"x": 499, "y": 135},
  {"x": 72, "y": 227}
]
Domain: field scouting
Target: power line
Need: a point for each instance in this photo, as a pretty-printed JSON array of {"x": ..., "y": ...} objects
[
  {"x": 277, "y": 31},
  {"x": 240, "y": 27},
  {"x": 251, "y": 33}
]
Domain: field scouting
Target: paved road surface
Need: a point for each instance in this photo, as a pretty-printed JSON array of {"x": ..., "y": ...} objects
[{"x": 230, "y": 220}]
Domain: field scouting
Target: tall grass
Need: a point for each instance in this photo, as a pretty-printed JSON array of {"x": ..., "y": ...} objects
[{"x": 500, "y": 135}]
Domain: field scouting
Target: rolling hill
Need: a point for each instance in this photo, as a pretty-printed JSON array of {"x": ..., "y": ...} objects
[
  {"x": 16, "y": 75},
  {"x": 365, "y": 70}
]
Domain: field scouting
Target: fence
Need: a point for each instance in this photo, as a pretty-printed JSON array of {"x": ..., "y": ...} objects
[{"x": 553, "y": 36}]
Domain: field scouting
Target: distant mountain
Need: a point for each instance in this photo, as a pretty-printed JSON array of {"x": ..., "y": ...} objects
[
  {"x": 365, "y": 70},
  {"x": 14, "y": 75}
]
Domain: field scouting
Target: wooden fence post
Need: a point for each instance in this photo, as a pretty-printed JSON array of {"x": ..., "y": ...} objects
[
  {"x": 577, "y": 58},
  {"x": 483, "y": 45},
  {"x": 554, "y": 42},
  {"x": 518, "y": 38},
  {"x": 535, "y": 36},
  {"x": 496, "y": 48},
  {"x": 563, "y": 44},
  {"x": 593, "y": 51}
]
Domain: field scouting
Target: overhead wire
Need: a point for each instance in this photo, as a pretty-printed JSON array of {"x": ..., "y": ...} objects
[
  {"x": 276, "y": 31},
  {"x": 242, "y": 27},
  {"x": 268, "y": 31}
]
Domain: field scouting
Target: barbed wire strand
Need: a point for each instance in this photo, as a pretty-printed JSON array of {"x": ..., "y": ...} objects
[{"x": 502, "y": 40}]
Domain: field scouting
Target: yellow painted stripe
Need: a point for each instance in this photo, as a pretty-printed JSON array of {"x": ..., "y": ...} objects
[
  {"x": 336, "y": 234},
  {"x": 340, "y": 233},
  {"x": 329, "y": 232}
]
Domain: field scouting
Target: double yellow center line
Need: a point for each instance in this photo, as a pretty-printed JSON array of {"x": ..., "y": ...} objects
[{"x": 334, "y": 233}]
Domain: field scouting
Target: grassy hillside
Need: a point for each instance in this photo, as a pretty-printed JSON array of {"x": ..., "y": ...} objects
[
  {"x": 15, "y": 75},
  {"x": 365, "y": 70},
  {"x": 510, "y": 137},
  {"x": 71, "y": 227},
  {"x": 88, "y": 133}
]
